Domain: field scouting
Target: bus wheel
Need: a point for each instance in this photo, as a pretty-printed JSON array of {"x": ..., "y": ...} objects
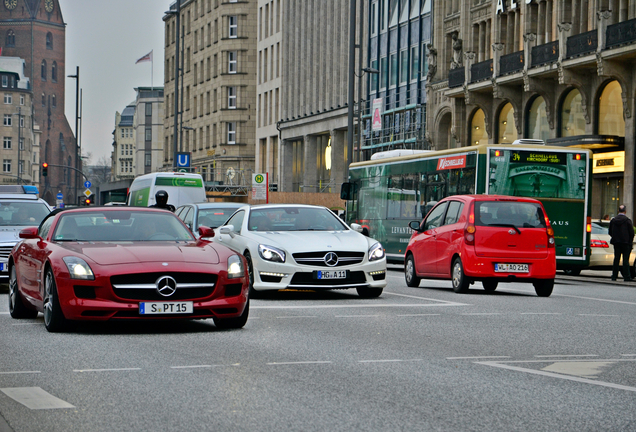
[
  {"x": 409, "y": 272},
  {"x": 572, "y": 272},
  {"x": 460, "y": 281},
  {"x": 544, "y": 288}
]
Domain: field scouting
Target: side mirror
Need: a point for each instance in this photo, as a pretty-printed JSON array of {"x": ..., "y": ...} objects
[
  {"x": 414, "y": 225},
  {"x": 228, "y": 230},
  {"x": 205, "y": 231},
  {"x": 29, "y": 233},
  {"x": 356, "y": 227}
]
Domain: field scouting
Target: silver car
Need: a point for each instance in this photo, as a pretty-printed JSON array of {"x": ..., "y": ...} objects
[{"x": 211, "y": 215}]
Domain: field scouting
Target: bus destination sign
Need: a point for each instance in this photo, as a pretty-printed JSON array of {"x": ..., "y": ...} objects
[{"x": 537, "y": 157}]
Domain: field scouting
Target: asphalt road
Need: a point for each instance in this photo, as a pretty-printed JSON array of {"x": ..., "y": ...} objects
[{"x": 415, "y": 359}]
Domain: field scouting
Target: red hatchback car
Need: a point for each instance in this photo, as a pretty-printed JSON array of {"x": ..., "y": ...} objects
[
  {"x": 487, "y": 238},
  {"x": 114, "y": 263}
]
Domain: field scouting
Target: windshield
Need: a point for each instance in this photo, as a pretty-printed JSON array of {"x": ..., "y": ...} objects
[
  {"x": 294, "y": 219},
  {"x": 22, "y": 213},
  {"x": 121, "y": 225},
  {"x": 215, "y": 217},
  {"x": 507, "y": 213}
]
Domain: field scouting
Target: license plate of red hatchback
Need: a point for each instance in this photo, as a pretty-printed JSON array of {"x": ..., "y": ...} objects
[{"x": 511, "y": 268}]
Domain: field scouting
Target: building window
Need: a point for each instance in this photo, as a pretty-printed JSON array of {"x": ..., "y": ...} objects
[
  {"x": 21, "y": 99},
  {"x": 21, "y": 144},
  {"x": 478, "y": 128},
  {"x": 7, "y": 120},
  {"x": 231, "y": 97},
  {"x": 49, "y": 41},
  {"x": 232, "y": 56},
  {"x": 610, "y": 111},
  {"x": 6, "y": 143},
  {"x": 53, "y": 101},
  {"x": 6, "y": 165},
  {"x": 507, "y": 130},
  {"x": 8, "y": 99},
  {"x": 538, "y": 127},
  {"x": 572, "y": 117},
  {"x": 233, "y": 21},
  {"x": 43, "y": 99},
  {"x": 148, "y": 109},
  {"x": 5, "y": 81},
  {"x": 148, "y": 159},
  {"x": 415, "y": 63},
  {"x": 10, "y": 40},
  {"x": 231, "y": 133},
  {"x": 394, "y": 69},
  {"x": 148, "y": 134},
  {"x": 43, "y": 70},
  {"x": 21, "y": 121},
  {"x": 54, "y": 72},
  {"x": 384, "y": 71}
]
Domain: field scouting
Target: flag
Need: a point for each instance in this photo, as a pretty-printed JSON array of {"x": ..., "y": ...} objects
[{"x": 147, "y": 57}]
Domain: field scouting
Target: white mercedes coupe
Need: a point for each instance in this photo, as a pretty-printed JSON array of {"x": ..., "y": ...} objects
[{"x": 304, "y": 247}]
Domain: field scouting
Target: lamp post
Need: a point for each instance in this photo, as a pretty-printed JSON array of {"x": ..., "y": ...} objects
[
  {"x": 175, "y": 100},
  {"x": 78, "y": 150},
  {"x": 19, "y": 143},
  {"x": 352, "y": 74}
]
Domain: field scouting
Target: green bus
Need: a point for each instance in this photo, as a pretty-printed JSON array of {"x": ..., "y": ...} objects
[{"x": 386, "y": 192}]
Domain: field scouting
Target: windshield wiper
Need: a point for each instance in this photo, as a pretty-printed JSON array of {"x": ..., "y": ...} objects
[{"x": 507, "y": 225}]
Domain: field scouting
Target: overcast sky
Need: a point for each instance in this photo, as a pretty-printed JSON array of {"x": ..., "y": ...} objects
[{"x": 105, "y": 39}]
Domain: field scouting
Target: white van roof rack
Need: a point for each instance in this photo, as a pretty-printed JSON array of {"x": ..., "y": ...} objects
[{"x": 528, "y": 141}]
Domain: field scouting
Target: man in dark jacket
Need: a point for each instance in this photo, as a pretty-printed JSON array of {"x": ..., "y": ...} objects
[{"x": 621, "y": 230}]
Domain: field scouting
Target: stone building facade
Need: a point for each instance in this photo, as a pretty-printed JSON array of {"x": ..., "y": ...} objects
[
  {"x": 148, "y": 125},
  {"x": 123, "y": 155},
  {"x": 217, "y": 89},
  {"x": 35, "y": 31},
  {"x": 560, "y": 71}
]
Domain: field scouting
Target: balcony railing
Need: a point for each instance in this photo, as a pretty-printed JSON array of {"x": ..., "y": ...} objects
[
  {"x": 621, "y": 33},
  {"x": 583, "y": 43},
  {"x": 481, "y": 71},
  {"x": 456, "y": 77},
  {"x": 511, "y": 63},
  {"x": 546, "y": 53}
]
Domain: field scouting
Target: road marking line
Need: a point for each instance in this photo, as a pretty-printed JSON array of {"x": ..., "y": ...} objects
[
  {"x": 4, "y": 313},
  {"x": 353, "y": 306},
  {"x": 475, "y": 358},
  {"x": 581, "y": 297},
  {"x": 598, "y": 315},
  {"x": 416, "y": 315},
  {"x": 389, "y": 361},
  {"x": 22, "y": 324},
  {"x": 20, "y": 372},
  {"x": 357, "y": 316},
  {"x": 540, "y": 313},
  {"x": 450, "y": 303},
  {"x": 297, "y": 316},
  {"x": 191, "y": 367},
  {"x": 556, "y": 375},
  {"x": 560, "y": 355},
  {"x": 629, "y": 355},
  {"x": 482, "y": 313},
  {"x": 35, "y": 398},
  {"x": 106, "y": 370},
  {"x": 298, "y": 363}
]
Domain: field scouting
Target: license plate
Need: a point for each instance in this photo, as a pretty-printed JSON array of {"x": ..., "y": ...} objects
[
  {"x": 160, "y": 308},
  {"x": 331, "y": 274},
  {"x": 511, "y": 268},
  {"x": 3, "y": 267}
]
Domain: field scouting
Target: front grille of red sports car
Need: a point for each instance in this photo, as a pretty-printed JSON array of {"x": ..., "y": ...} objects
[{"x": 142, "y": 286}]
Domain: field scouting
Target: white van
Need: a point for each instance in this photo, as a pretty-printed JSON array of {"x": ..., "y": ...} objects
[{"x": 182, "y": 188}]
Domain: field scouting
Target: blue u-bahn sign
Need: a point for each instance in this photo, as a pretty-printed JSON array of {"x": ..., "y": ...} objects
[{"x": 183, "y": 160}]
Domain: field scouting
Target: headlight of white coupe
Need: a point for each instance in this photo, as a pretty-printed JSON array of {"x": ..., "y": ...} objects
[
  {"x": 235, "y": 267},
  {"x": 270, "y": 253},
  {"x": 376, "y": 252},
  {"x": 78, "y": 268}
]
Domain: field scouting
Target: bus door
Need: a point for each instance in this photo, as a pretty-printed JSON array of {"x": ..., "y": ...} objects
[{"x": 434, "y": 187}]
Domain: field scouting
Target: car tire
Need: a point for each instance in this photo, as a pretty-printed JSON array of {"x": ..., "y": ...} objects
[
  {"x": 572, "y": 272},
  {"x": 366, "y": 292},
  {"x": 459, "y": 279},
  {"x": 544, "y": 288},
  {"x": 233, "y": 323},
  {"x": 490, "y": 285},
  {"x": 250, "y": 271},
  {"x": 54, "y": 319},
  {"x": 17, "y": 309},
  {"x": 409, "y": 272}
]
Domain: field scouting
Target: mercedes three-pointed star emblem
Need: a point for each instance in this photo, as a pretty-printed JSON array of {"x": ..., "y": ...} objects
[
  {"x": 166, "y": 286},
  {"x": 331, "y": 259}
]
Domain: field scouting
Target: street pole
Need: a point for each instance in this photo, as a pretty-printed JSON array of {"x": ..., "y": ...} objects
[
  {"x": 19, "y": 144},
  {"x": 352, "y": 72},
  {"x": 360, "y": 36},
  {"x": 77, "y": 149},
  {"x": 175, "y": 140}
]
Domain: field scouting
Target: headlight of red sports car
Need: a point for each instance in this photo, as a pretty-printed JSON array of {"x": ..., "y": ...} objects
[
  {"x": 78, "y": 268},
  {"x": 235, "y": 267}
]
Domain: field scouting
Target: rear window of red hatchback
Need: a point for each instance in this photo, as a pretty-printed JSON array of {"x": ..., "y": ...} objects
[{"x": 507, "y": 213}]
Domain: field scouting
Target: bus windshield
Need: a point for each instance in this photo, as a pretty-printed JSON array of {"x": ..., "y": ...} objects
[{"x": 543, "y": 174}]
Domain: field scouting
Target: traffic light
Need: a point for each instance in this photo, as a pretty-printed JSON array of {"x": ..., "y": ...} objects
[
  {"x": 45, "y": 169},
  {"x": 88, "y": 201}
]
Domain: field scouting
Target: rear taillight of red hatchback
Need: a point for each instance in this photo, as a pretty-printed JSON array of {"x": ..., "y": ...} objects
[
  {"x": 550, "y": 233},
  {"x": 469, "y": 231}
]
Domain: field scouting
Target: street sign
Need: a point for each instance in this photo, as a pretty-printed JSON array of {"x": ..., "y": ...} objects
[
  {"x": 183, "y": 160},
  {"x": 185, "y": 170},
  {"x": 88, "y": 193},
  {"x": 259, "y": 186},
  {"x": 87, "y": 184},
  {"x": 60, "y": 196}
]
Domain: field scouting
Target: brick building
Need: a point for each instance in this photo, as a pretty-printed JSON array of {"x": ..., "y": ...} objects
[{"x": 35, "y": 31}]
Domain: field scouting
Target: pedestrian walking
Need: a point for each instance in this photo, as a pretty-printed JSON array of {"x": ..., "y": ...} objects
[{"x": 621, "y": 230}]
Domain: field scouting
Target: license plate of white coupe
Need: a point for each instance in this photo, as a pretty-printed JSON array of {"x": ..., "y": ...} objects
[
  {"x": 331, "y": 274},
  {"x": 156, "y": 308},
  {"x": 511, "y": 268}
]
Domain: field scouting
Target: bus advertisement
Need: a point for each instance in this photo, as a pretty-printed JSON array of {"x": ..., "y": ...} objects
[{"x": 385, "y": 194}]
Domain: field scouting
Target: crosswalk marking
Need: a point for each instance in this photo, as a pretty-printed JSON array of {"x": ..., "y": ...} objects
[{"x": 35, "y": 398}]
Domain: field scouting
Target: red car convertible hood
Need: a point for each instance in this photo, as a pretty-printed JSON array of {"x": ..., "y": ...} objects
[{"x": 118, "y": 253}]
